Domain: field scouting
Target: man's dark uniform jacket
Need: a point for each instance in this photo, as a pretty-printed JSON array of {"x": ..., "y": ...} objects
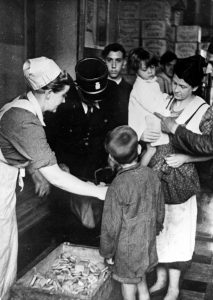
[{"x": 78, "y": 137}]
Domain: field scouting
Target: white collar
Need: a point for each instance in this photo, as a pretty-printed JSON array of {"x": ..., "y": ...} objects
[
  {"x": 118, "y": 81},
  {"x": 85, "y": 107},
  {"x": 32, "y": 99}
]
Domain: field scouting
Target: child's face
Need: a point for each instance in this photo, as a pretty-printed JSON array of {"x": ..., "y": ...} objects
[{"x": 145, "y": 72}]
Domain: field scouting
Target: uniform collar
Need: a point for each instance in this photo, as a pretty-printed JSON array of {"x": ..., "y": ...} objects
[
  {"x": 85, "y": 106},
  {"x": 32, "y": 99}
]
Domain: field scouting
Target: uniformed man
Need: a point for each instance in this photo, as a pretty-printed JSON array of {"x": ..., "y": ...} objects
[{"x": 76, "y": 132}]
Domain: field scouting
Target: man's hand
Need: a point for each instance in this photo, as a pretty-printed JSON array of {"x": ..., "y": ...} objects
[{"x": 168, "y": 124}]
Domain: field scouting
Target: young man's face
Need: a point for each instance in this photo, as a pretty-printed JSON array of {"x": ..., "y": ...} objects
[{"x": 115, "y": 62}]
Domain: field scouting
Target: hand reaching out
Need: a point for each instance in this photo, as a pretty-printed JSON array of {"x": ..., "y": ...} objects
[
  {"x": 168, "y": 124},
  {"x": 42, "y": 186}
]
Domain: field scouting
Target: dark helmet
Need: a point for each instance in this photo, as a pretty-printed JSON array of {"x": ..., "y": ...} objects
[{"x": 91, "y": 79}]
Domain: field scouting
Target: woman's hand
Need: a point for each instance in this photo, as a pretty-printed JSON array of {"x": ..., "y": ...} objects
[
  {"x": 42, "y": 186},
  {"x": 176, "y": 160},
  {"x": 150, "y": 135}
]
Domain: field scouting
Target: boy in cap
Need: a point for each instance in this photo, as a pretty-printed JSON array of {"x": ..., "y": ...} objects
[
  {"x": 133, "y": 214},
  {"x": 23, "y": 143},
  {"x": 114, "y": 56}
]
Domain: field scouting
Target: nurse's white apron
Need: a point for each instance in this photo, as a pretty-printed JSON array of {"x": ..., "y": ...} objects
[{"x": 8, "y": 224}]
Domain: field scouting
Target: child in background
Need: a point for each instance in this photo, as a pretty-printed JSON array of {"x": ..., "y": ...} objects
[
  {"x": 146, "y": 96},
  {"x": 132, "y": 217}
]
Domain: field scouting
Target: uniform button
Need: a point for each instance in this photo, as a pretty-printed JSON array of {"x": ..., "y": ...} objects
[
  {"x": 70, "y": 130},
  {"x": 105, "y": 120},
  {"x": 86, "y": 144},
  {"x": 88, "y": 133}
]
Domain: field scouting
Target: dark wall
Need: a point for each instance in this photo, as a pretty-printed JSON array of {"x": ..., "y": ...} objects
[
  {"x": 31, "y": 28},
  {"x": 56, "y": 31},
  {"x": 12, "y": 48}
]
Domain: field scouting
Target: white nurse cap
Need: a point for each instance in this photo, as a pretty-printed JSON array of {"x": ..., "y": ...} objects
[{"x": 40, "y": 71}]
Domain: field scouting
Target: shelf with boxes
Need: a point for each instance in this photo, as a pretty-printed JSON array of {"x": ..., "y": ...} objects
[{"x": 154, "y": 25}]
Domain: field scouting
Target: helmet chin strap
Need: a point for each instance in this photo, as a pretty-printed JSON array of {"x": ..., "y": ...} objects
[{"x": 81, "y": 96}]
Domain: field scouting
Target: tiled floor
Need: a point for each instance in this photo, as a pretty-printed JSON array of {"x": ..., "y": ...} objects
[{"x": 198, "y": 280}]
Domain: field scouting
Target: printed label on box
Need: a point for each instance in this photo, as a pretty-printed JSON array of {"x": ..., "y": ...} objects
[
  {"x": 157, "y": 29},
  {"x": 129, "y": 43},
  {"x": 183, "y": 50},
  {"x": 129, "y": 9},
  {"x": 188, "y": 33},
  {"x": 158, "y": 47},
  {"x": 129, "y": 27},
  {"x": 155, "y": 10}
]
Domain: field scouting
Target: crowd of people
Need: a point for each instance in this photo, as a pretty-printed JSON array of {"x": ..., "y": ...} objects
[{"x": 142, "y": 140}]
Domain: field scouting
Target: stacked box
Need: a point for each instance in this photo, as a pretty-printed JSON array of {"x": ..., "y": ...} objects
[
  {"x": 156, "y": 32},
  {"x": 129, "y": 28},
  {"x": 155, "y": 10},
  {"x": 158, "y": 29},
  {"x": 129, "y": 24},
  {"x": 186, "y": 33},
  {"x": 129, "y": 9},
  {"x": 129, "y": 42},
  {"x": 156, "y": 46},
  {"x": 188, "y": 40},
  {"x": 183, "y": 50}
]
